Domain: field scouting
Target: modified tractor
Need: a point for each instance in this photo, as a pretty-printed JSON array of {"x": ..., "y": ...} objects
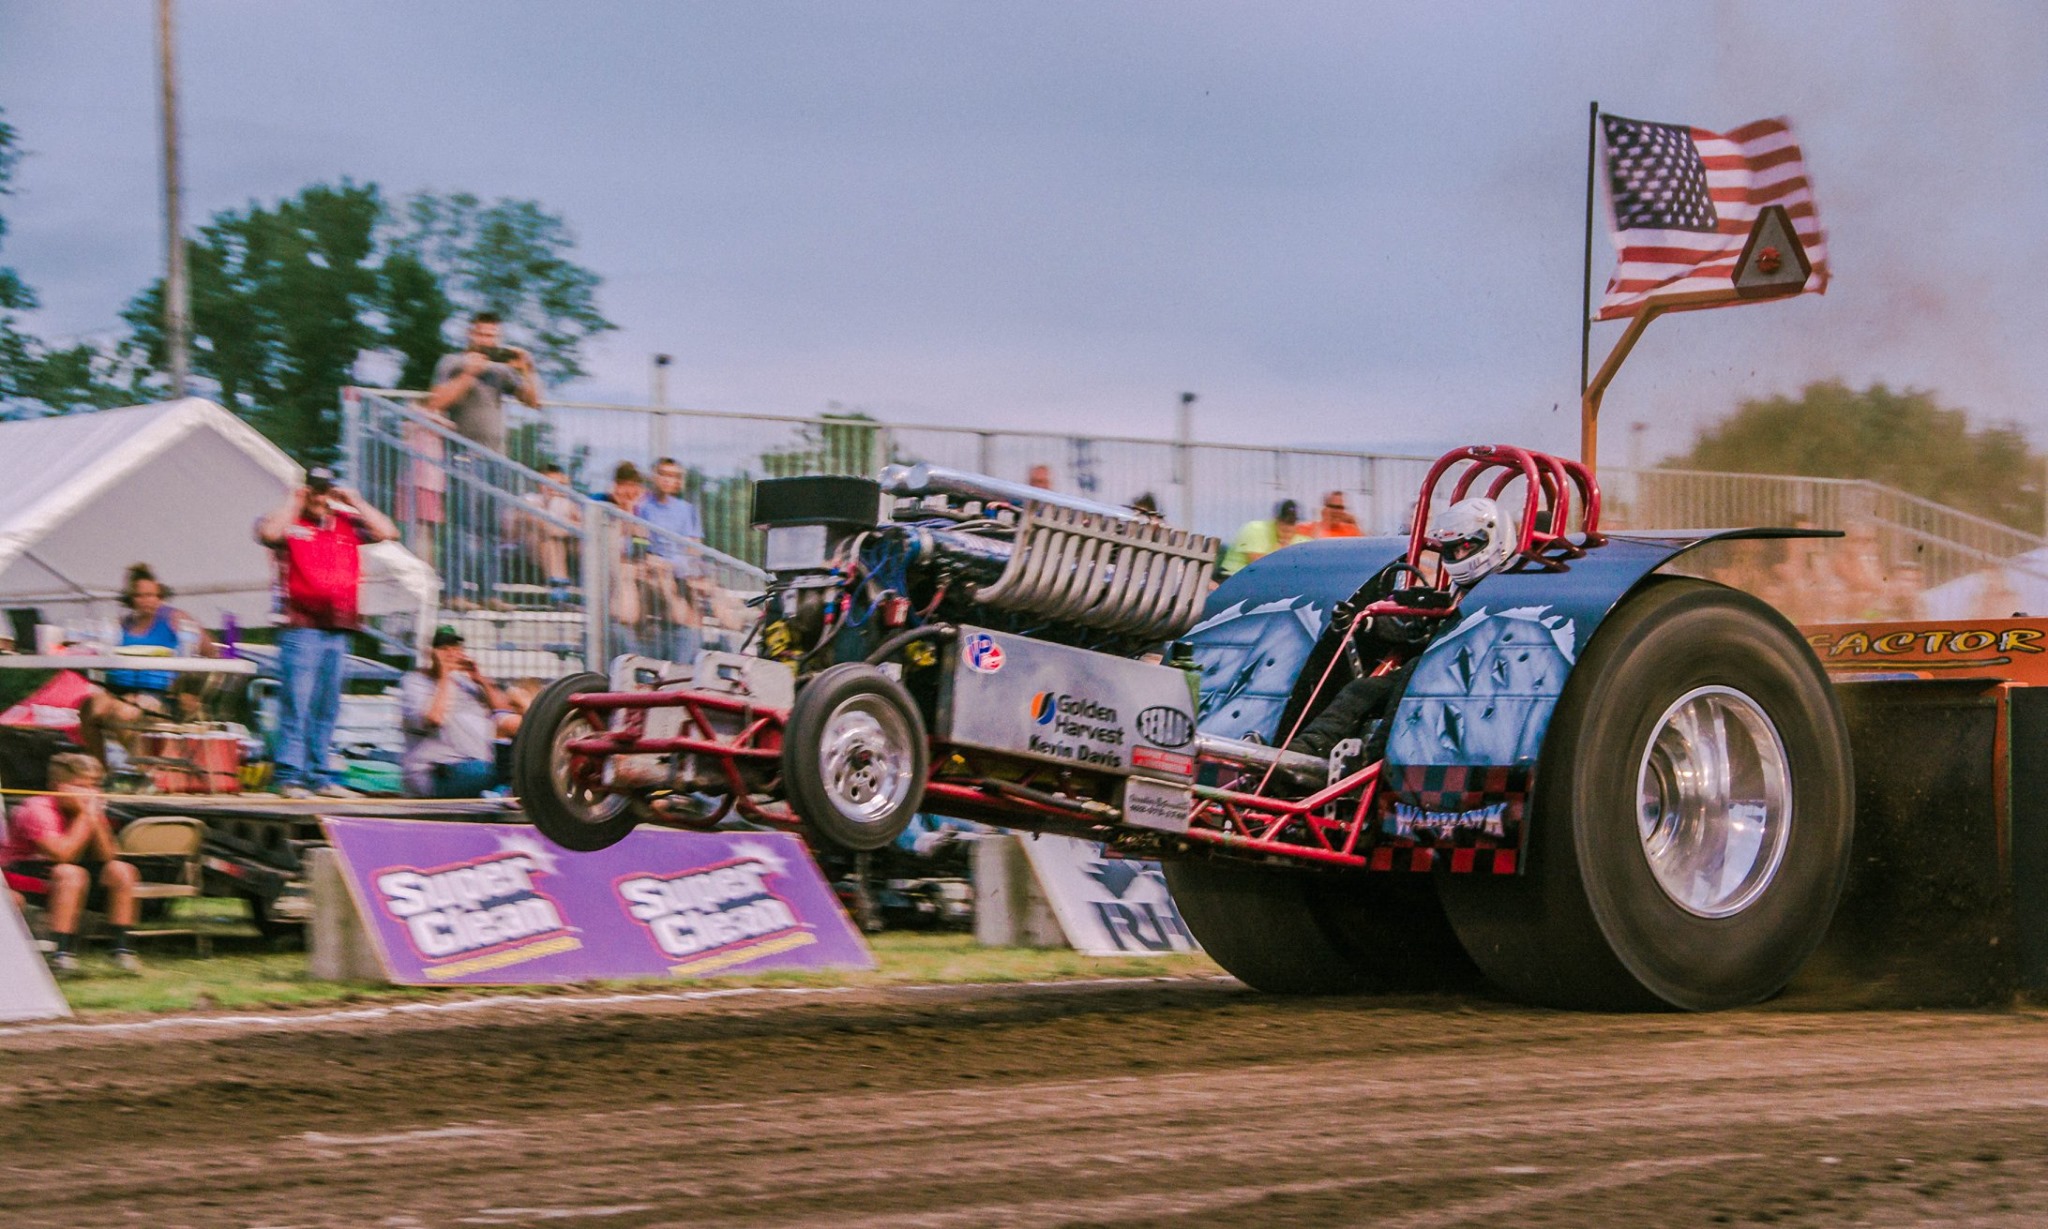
[{"x": 1509, "y": 739}]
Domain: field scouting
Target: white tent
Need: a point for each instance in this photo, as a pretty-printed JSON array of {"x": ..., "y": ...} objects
[{"x": 179, "y": 486}]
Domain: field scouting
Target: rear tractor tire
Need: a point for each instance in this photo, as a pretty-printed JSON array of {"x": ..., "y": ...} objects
[
  {"x": 1294, "y": 932},
  {"x": 1692, "y": 821}
]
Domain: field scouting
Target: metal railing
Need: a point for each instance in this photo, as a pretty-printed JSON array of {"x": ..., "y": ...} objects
[
  {"x": 540, "y": 579},
  {"x": 1913, "y": 543}
]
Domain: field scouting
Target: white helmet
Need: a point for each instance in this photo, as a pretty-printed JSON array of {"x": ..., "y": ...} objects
[{"x": 1474, "y": 539}]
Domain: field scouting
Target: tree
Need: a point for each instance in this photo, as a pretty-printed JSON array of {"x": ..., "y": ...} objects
[
  {"x": 281, "y": 304},
  {"x": 1902, "y": 439},
  {"x": 510, "y": 257},
  {"x": 33, "y": 377},
  {"x": 416, "y": 311}
]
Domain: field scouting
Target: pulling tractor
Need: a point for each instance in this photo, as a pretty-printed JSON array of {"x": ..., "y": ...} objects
[{"x": 1509, "y": 740}]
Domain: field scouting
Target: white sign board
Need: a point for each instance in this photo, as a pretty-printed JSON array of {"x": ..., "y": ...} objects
[
  {"x": 1107, "y": 906},
  {"x": 27, "y": 991}
]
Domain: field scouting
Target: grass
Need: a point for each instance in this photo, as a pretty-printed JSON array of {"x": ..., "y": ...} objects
[{"x": 246, "y": 973}]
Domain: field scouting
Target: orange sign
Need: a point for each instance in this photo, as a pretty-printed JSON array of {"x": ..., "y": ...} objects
[{"x": 2014, "y": 649}]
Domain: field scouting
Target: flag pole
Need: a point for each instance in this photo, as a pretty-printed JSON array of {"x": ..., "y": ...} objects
[
  {"x": 1589, "y": 402},
  {"x": 1586, "y": 282}
]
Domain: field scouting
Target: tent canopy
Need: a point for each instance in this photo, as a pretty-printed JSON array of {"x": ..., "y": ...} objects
[{"x": 177, "y": 485}]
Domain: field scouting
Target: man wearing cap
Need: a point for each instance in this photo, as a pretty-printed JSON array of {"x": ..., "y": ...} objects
[
  {"x": 451, "y": 723},
  {"x": 316, "y": 534}
]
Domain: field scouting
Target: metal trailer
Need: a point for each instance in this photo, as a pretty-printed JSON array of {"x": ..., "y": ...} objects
[{"x": 1600, "y": 781}]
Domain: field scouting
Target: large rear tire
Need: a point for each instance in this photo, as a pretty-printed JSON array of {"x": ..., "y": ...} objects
[
  {"x": 1692, "y": 821},
  {"x": 1295, "y": 932},
  {"x": 854, "y": 756},
  {"x": 1256, "y": 923},
  {"x": 553, "y": 786}
]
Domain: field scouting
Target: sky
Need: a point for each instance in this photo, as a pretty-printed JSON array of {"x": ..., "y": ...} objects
[{"x": 1356, "y": 225}]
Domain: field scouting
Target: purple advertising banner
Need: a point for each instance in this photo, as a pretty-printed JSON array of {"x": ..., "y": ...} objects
[{"x": 495, "y": 904}]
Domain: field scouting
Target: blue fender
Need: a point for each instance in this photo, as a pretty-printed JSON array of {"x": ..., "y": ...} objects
[{"x": 1469, "y": 729}]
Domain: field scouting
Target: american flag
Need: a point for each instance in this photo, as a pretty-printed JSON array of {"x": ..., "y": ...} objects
[{"x": 1684, "y": 200}]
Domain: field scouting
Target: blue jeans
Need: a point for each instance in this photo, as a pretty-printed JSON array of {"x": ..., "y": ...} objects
[
  {"x": 309, "y": 664},
  {"x": 463, "y": 779}
]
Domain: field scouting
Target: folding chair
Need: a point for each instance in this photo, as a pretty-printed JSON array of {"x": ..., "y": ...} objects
[{"x": 165, "y": 851}]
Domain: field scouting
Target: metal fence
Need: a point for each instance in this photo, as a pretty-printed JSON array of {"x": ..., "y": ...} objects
[
  {"x": 539, "y": 578},
  {"x": 1912, "y": 543}
]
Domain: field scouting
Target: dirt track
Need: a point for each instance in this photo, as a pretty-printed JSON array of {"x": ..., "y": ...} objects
[{"x": 1132, "y": 1105}]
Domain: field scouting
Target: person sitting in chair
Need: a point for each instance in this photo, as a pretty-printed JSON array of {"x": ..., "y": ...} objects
[
  {"x": 451, "y": 713},
  {"x": 131, "y": 694},
  {"x": 58, "y": 847}
]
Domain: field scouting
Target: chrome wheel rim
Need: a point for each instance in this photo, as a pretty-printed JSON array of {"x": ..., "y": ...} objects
[
  {"x": 1714, "y": 802},
  {"x": 865, "y": 757},
  {"x": 576, "y": 783}
]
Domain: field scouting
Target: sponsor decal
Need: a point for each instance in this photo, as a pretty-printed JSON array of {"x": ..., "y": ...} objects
[
  {"x": 495, "y": 904},
  {"x": 982, "y": 652},
  {"x": 480, "y": 913},
  {"x": 1413, "y": 821},
  {"x": 1082, "y": 730},
  {"x": 1925, "y": 648},
  {"x": 1148, "y": 804},
  {"x": 1165, "y": 726},
  {"x": 716, "y": 916},
  {"x": 1164, "y": 761}
]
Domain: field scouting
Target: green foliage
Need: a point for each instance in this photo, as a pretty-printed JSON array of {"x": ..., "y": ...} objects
[
  {"x": 1901, "y": 439},
  {"x": 33, "y": 377},
  {"x": 287, "y": 297},
  {"x": 280, "y": 304},
  {"x": 510, "y": 257},
  {"x": 416, "y": 309}
]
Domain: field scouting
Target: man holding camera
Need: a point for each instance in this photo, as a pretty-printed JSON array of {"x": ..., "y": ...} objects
[
  {"x": 470, "y": 387},
  {"x": 317, "y": 534},
  {"x": 451, "y": 713}
]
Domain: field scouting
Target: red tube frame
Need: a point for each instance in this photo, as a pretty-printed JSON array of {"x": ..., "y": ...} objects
[
  {"x": 1548, "y": 483},
  {"x": 1329, "y": 826}
]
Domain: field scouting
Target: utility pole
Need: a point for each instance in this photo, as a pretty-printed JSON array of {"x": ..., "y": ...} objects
[
  {"x": 1184, "y": 455},
  {"x": 658, "y": 379},
  {"x": 177, "y": 293},
  {"x": 657, "y": 394}
]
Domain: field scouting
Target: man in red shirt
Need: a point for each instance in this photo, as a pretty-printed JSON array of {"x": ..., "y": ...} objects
[
  {"x": 317, "y": 533},
  {"x": 55, "y": 843}
]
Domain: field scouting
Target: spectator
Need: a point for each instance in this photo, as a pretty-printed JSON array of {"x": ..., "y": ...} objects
[
  {"x": 423, "y": 495},
  {"x": 677, "y": 545},
  {"x": 1261, "y": 538},
  {"x": 635, "y": 582},
  {"x": 1861, "y": 588},
  {"x": 470, "y": 387},
  {"x": 1041, "y": 477},
  {"x": 547, "y": 537},
  {"x": 130, "y": 694},
  {"x": 59, "y": 846},
  {"x": 452, "y": 716},
  {"x": 317, "y": 533},
  {"x": 1336, "y": 521}
]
